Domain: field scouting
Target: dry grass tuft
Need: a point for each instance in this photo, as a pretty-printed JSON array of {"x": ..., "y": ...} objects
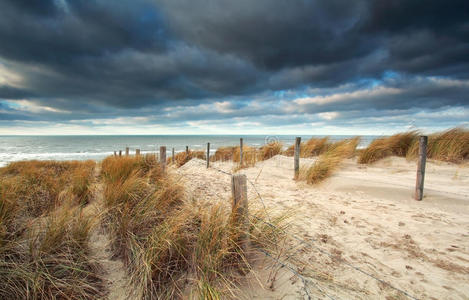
[
  {"x": 44, "y": 237},
  {"x": 223, "y": 154},
  {"x": 36, "y": 186},
  {"x": 270, "y": 150},
  {"x": 329, "y": 161},
  {"x": 290, "y": 151},
  {"x": 310, "y": 148},
  {"x": 451, "y": 145},
  {"x": 199, "y": 154},
  {"x": 165, "y": 239},
  {"x": 398, "y": 144},
  {"x": 51, "y": 261},
  {"x": 314, "y": 147},
  {"x": 182, "y": 158},
  {"x": 250, "y": 156},
  {"x": 172, "y": 246},
  {"x": 120, "y": 167}
]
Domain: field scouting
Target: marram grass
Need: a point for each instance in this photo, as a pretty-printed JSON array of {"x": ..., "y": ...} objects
[
  {"x": 173, "y": 246},
  {"x": 44, "y": 236},
  {"x": 328, "y": 162},
  {"x": 451, "y": 145},
  {"x": 398, "y": 145}
]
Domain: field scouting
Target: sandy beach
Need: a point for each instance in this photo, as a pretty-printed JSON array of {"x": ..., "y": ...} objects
[{"x": 363, "y": 217}]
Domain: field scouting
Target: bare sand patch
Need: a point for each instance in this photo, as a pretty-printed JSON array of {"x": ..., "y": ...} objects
[{"x": 363, "y": 215}]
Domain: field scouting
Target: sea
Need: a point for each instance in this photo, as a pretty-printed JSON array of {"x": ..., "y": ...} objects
[{"x": 97, "y": 147}]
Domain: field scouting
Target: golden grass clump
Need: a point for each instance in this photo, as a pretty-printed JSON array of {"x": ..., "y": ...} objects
[
  {"x": 250, "y": 156},
  {"x": 451, "y": 145},
  {"x": 120, "y": 167},
  {"x": 398, "y": 144},
  {"x": 44, "y": 237},
  {"x": 51, "y": 261},
  {"x": 165, "y": 238},
  {"x": 314, "y": 147},
  {"x": 328, "y": 162},
  {"x": 198, "y": 154},
  {"x": 270, "y": 150},
  {"x": 310, "y": 148},
  {"x": 182, "y": 158},
  {"x": 223, "y": 154},
  {"x": 35, "y": 186},
  {"x": 290, "y": 151}
]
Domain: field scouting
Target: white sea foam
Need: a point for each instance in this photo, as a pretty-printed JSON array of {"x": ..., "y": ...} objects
[
  {"x": 16, "y": 148},
  {"x": 5, "y": 158}
]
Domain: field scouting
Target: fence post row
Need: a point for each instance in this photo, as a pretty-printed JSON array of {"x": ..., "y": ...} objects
[
  {"x": 163, "y": 158},
  {"x": 187, "y": 149},
  {"x": 240, "y": 209},
  {"x": 126, "y": 151},
  {"x": 172, "y": 157},
  {"x": 120, "y": 152},
  {"x": 421, "y": 167},
  {"x": 208, "y": 155},
  {"x": 297, "y": 156},
  {"x": 241, "y": 151}
]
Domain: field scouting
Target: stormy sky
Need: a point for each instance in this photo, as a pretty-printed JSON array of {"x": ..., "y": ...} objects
[{"x": 223, "y": 66}]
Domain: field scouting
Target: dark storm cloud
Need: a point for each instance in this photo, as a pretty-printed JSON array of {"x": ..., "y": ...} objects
[
  {"x": 59, "y": 33},
  {"x": 276, "y": 34},
  {"x": 103, "y": 59},
  {"x": 298, "y": 33},
  {"x": 9, "y": 92}
]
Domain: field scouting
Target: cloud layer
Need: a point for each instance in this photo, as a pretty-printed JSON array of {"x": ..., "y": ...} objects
[{"x": 217, "y": 66}]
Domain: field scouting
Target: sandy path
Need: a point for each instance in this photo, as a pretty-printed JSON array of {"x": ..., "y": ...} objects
[
  {"x": 114, "y": 272},
  {"x": 367, "y": 217}
]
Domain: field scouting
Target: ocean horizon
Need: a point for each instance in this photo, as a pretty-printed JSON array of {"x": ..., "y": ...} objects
[{"x": 97, "y": 147}]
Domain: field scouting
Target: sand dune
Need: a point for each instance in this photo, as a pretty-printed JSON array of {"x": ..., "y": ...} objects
[{"x": 364, "y": 215}]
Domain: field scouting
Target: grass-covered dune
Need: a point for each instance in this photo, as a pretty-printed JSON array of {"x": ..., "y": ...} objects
[
  {"x": 44, "y": 236},
  {"x": 451, "y": 145},
  {"x": 172, "y": 246},
  {"x": 329, "y": 161}
]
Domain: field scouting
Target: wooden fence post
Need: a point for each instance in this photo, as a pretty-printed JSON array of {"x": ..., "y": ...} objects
[
  {"x": 137, "y": 152},
  {"x": 120, "y": 152},
  {"x": 172, "y": 157},
  {"x": 297, "y": 156},
  {"x": 421, "y": 167},
  {"x": 240, "y": 209},
  {"x": 241, "y": 151},
  {"x": 187, "y": 149},
  {"x": 163, "y": 158},
  {"x": 126, "y": 151},
  {"x": 115, "y": 153},
  {"x": 208, "y": 154}
]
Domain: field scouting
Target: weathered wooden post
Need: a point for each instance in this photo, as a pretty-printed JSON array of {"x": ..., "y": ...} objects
[
  {"x": 120, "y": 152},
  {"x": 208, "y": 155},
  {"x": 187, "y": 149},
  {"x": 137, "y": 152},
  {"x": 126, "y": 151},
  {"x": 115, "y": 153},
  {"x": 172, "y": 157},
  {"x": 240, "y": 210},
  {"x": 421, "y": 167},
  {"x": 241, "y": 151},
  {"x": 297, "y": 156},
  {"x": 163, "y": 158}
]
